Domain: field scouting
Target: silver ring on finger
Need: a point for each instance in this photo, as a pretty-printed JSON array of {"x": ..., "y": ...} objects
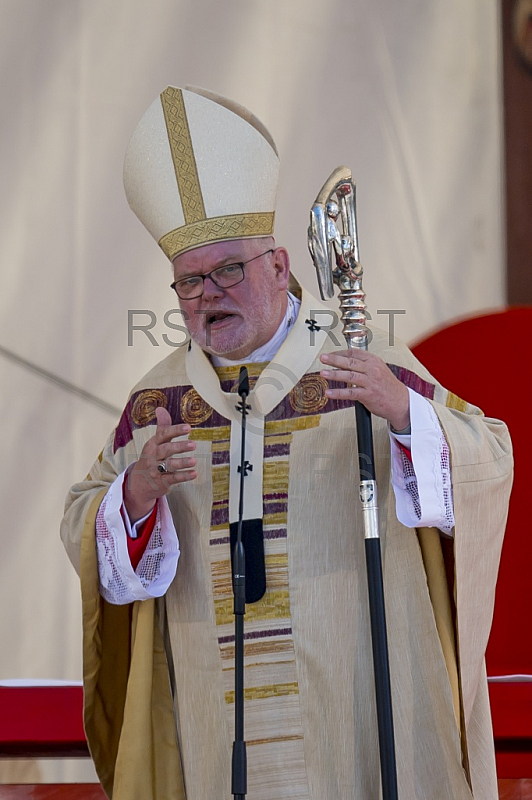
[{"x": 162, "y": 467}]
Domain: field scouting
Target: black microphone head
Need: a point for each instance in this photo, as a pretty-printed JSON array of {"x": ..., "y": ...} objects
[{"x": 243, "y": 382}]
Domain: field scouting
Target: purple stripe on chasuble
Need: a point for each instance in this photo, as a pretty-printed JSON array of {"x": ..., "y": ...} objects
[
  {"x": 413, "y": 381},
  {"x": 185, "y": 405},
  {"x": 257, "y": 635},
  {"x": 220, "y": 516},
  {"x": 279, "y": 533}
]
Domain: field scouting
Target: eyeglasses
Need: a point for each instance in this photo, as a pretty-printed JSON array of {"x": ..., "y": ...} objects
[{"x": 222, "y": 277}]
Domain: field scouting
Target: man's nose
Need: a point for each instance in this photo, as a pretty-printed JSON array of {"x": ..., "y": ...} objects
[{"x": 210, "y": 289}]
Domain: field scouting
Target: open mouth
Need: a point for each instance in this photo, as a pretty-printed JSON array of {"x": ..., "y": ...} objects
[{"x": 218, "y": 317}]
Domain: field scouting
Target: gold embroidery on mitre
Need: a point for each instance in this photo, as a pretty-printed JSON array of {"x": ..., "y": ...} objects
[
  {"x": 194, "y": 409},
  {"x": 186, "y": 170},
  {"x": 143, "y": 411},
  {"x": 308, "y": 396},
  {"x": 216, "y": 229}
]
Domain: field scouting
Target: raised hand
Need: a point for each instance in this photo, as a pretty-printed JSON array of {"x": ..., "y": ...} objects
[{"x": 145, "y": 481}]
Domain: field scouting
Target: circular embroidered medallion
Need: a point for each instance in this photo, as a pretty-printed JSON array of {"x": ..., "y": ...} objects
[
  {"x": 194, "y": 409},
  {"x": 309, "y": 397},
  {"x": 143, "y": 411}
]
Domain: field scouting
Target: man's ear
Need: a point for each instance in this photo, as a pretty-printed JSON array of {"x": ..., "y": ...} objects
[{"x": 281, "y": 266}]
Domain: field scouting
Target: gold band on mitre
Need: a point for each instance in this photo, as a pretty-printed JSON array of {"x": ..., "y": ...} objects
[
  {"x": 219, "y": 229},
  {"x": 201, "y": 169}
]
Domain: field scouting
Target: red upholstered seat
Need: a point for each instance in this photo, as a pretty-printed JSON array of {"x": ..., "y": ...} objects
[{"x": 487, "y": 361}]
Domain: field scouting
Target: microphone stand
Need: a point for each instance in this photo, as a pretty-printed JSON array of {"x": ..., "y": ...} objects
[
  {"x": 239, "y": 758},
  {"x": 327, "y": 244}
]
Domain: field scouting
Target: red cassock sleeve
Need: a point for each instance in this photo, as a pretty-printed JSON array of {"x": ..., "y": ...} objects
[{"x": 136, "y": 547}]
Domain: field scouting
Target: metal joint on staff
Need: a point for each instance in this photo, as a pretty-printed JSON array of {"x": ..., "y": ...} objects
[{"x": 370, "y": 510}]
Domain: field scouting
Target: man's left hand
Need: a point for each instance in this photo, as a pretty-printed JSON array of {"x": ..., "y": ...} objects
[{"x": 371, "y": 382}]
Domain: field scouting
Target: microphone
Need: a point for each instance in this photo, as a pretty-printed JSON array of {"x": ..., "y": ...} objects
[{"x": 243, "y": 383}]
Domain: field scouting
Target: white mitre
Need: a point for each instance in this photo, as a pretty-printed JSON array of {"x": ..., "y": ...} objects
[{"x": 201, "y": 169}]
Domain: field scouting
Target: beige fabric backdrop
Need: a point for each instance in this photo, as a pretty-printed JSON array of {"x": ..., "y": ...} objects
[{"x": 407, "y": 94}]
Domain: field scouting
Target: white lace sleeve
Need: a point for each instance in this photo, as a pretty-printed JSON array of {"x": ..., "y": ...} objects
[
  {"x": 423, "y": 491},
  {"x": 119, "y": 582}
]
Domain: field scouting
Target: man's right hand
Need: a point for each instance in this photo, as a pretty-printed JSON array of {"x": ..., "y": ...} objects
[{"x": 144, "y": 482}]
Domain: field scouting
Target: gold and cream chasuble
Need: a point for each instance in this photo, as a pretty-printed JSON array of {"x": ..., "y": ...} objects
[{"x": 309, "y": 716}]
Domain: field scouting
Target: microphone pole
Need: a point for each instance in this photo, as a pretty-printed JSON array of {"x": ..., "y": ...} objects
[{"x": 239, "y": 759}]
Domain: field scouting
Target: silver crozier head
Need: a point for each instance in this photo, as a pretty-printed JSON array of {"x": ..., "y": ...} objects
[{"x": 333, "y": 245}]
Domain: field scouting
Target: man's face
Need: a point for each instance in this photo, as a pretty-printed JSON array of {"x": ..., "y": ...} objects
[{"x": 233, "y": 322}]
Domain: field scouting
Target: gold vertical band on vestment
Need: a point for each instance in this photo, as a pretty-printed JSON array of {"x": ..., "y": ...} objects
[{"x": 186, "y": 170}]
